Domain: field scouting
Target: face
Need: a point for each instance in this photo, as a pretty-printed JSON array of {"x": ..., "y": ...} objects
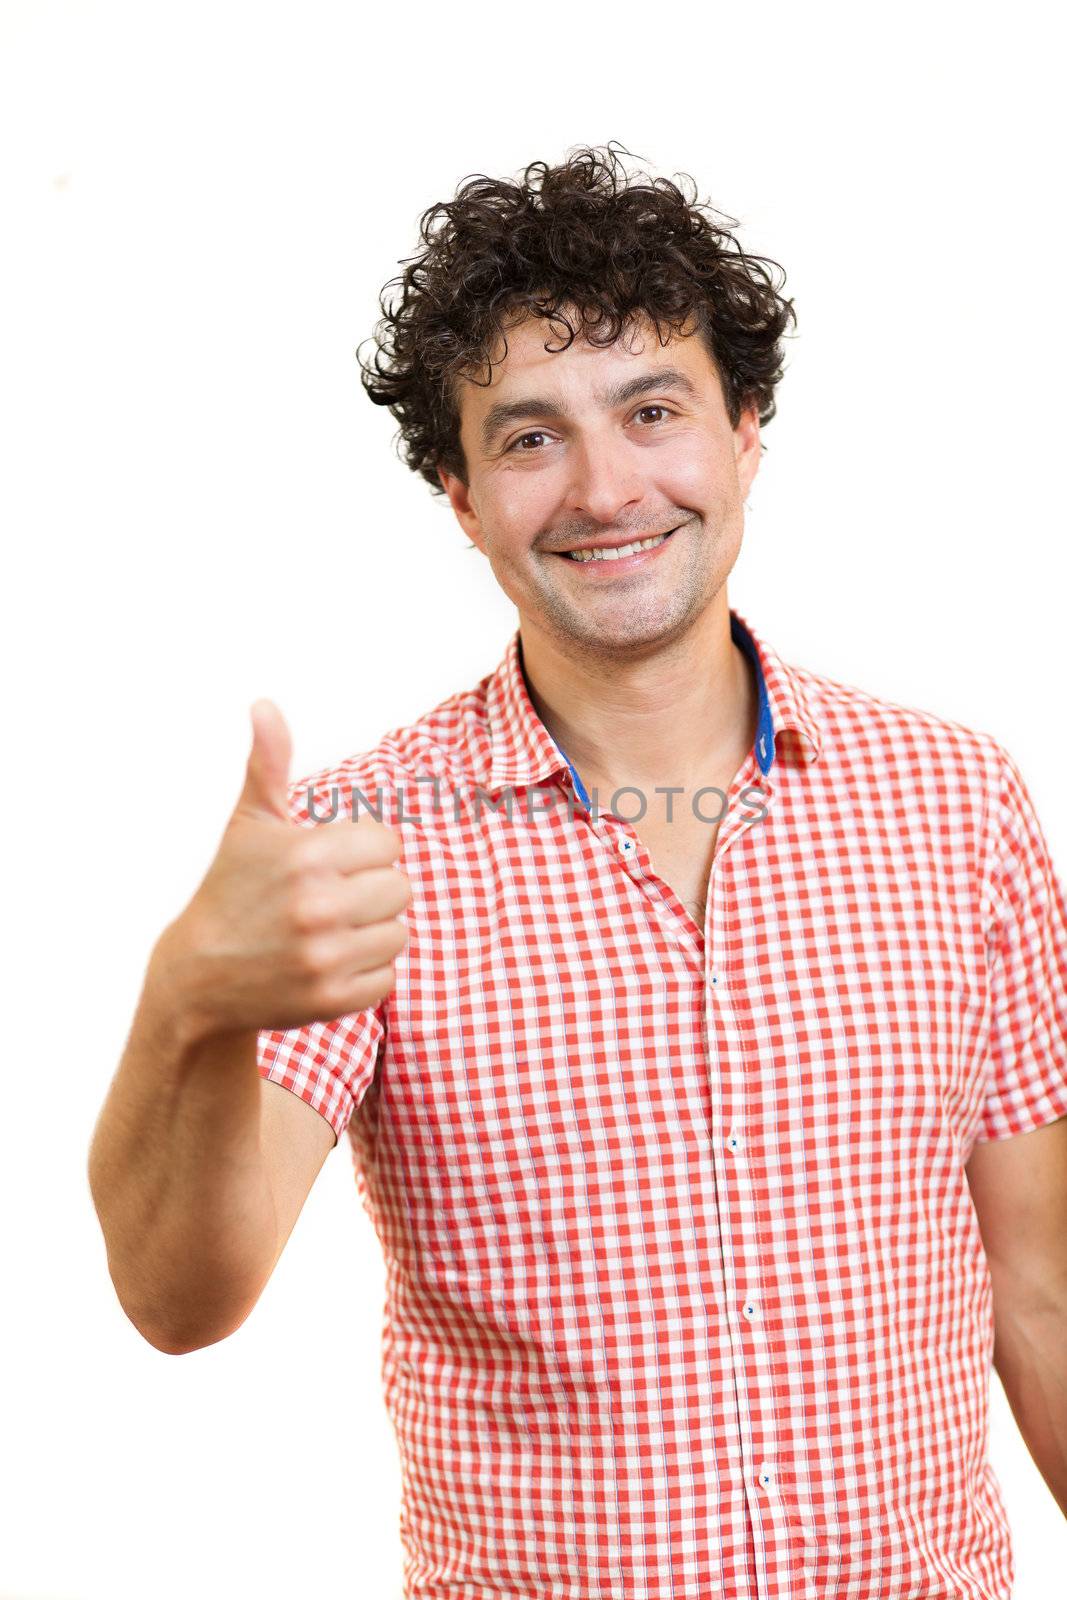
[{"x": 604, "y": 446}]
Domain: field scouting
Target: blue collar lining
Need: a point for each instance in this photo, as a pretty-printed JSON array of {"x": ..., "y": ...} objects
[{"x": 764, "y": 722}]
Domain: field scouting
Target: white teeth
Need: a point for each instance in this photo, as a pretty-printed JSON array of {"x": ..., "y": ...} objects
[{"x": 616, "y": 555}]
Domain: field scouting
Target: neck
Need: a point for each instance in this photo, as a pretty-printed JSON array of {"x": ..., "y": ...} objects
[{"x": 610, "y": 715}]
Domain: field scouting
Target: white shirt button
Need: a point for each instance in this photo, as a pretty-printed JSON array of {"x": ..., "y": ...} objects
[
  {"x": 717, "y": 981},
  {"x": 750, "y": 1310},
  {"x": 627, "y": 847},
  {"x": 766, "y": 1478},
  {"x": 732, "y": 1141}
]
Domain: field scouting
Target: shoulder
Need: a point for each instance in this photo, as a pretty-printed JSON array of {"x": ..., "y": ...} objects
[
  {"x": 861, "y": 729},
  {"x": 399, "y": 776}
]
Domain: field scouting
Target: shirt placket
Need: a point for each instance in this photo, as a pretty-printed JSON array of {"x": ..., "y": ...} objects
[
  {"x": 740, "y": 1154},
  {"x": 743, "y": 1146}
]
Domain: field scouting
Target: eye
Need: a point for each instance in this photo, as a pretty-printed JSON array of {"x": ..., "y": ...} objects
[
  {"x": 516, "y": 442},
  {"x": 538, "y": 433}
]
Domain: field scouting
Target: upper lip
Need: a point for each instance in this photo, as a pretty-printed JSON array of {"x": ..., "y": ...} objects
[{"x": 615, "y": 544}]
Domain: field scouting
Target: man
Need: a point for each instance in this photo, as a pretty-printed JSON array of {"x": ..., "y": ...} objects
[{"x": 705, "y": 1065}]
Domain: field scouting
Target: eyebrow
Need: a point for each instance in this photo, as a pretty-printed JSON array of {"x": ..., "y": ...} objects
[{"x": 505, "y": 411}]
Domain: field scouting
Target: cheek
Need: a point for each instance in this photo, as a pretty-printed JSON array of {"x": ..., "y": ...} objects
[
  {"x": 517, "y": 512},
  {"x": 699, "y": 477}
]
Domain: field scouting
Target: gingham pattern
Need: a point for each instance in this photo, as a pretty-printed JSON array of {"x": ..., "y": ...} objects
[{"x": 686, "y": 1292}]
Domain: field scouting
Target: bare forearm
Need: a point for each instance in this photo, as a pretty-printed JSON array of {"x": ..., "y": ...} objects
[
  {"x": 1031, "y": 1361},
  {"x": 178, "y": 1178}
]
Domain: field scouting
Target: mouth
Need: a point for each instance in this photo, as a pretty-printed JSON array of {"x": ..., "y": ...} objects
[{"x": 622, "y": 558}]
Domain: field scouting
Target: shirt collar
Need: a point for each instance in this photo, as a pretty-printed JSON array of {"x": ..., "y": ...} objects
[{"x": 523, "y": 751}]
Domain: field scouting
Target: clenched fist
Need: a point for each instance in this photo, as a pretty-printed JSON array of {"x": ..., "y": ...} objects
[{"x": 290, "y": 925}]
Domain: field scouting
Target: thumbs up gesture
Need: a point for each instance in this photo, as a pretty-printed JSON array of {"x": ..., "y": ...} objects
[{"x": 290, "y": 925}]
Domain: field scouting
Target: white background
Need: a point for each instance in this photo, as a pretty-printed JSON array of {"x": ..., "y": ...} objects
[{"x": 200, "y": 204}]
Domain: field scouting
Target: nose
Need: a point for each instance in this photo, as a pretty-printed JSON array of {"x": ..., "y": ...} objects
[{"x": 605, "y": 479}]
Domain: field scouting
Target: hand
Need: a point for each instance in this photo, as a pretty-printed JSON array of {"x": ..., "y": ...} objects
[{"x": 290, "y": 925}]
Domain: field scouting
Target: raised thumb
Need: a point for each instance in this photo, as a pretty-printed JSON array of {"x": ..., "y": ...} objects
[{"x": 266, "y": 787}]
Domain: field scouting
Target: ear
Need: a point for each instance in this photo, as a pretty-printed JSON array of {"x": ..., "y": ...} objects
[
  {"x": 747, "y": 449},
  {"x": 460, "y": 500}
]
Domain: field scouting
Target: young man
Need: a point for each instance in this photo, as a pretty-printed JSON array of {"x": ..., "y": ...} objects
[{"x": 705, "y": 1065}]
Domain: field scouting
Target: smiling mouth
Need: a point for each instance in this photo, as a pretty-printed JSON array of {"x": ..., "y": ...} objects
[{"x": 617, "y": 553}]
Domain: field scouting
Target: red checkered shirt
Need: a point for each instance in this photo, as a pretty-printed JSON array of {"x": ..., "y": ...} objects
[{"x": 686, "y": 1295}]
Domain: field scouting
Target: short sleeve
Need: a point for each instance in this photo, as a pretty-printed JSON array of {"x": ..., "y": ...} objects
[
  {"x": 1026, "y": 930},
  {"x": 328, "y": 1064}
]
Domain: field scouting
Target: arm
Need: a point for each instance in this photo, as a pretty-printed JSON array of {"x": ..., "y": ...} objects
[
  {"x": 1019, "y": 1188},
  {"x": 178, "y": 1178},
  {"x": 197, "y": 1170}
]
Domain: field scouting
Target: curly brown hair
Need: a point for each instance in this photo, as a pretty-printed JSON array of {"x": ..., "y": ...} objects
[{"x": 571, "y": 236}]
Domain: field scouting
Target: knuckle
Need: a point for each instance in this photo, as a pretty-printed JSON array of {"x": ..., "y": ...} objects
[
  {"x": 330, "y": 1001},
  {"x": 339, "y": 999},
  {"x": 378, "y": 842},
  {"x": 368, "y": 948},
  {"x": 316, "y": 956},
  {"x": 379, "y": 899},
  {"x": 294, "y": 878},
  {"x": 390, "y": 897},
  {"x": 311, "y": 850},
  {"x": 374, "y": 986},
  {"x": 308, "y": 910}
]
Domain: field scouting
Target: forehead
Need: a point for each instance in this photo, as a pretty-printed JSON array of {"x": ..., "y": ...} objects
[{"x": 582, "y": 368}]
